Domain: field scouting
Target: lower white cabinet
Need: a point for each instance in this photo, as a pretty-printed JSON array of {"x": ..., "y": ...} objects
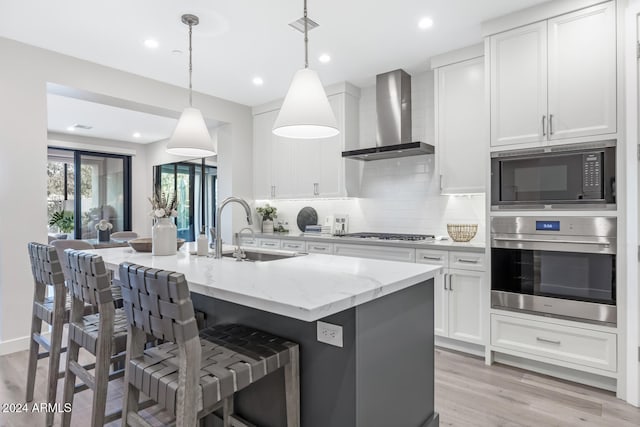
[
  {"x": 376, "y": 252},
  {"x": 292, "y": 245},
  {"x": 319, "y": 248},
  {"x": 554, "y": 343},
  {"x": 248, "y": 241},
  {"x": 458, "y": 303},
  {"x": 269, "y": 243}
]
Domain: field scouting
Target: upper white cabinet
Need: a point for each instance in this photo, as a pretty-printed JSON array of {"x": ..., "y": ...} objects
[
  {"x": 460, "y": 130},
  {"x": 555, "y": 79},
  {"x": 301, "y": 168}
]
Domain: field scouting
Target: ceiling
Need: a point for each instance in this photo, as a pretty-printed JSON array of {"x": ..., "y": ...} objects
[{"x": 238, "y": 40}]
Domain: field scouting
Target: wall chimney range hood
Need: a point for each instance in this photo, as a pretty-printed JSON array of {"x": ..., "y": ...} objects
[{"x": 393, "y": 108}]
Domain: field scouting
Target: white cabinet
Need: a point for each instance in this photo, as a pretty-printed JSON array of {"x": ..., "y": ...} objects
[
  {"x": 555, "y": 80},
  {"x": 460, "y": 117},
  {"x": 287, "y": 168},
  {"x": 582, "y": 73},
  {"x": 269, "y": 243},
  {"x": 376, "y": 252},
  {"x": 319, "y": 248},
  {"x": 458, "y": 303},
  {"x": 293, "y": 245}
]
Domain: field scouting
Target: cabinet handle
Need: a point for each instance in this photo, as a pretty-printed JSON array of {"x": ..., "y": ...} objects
[
  {"x": 450, "y": 285},
  {"x": 445, "y": 280},
  {"x": 544, "y": 128},
  {"x": 440, "y": 182},
  {"x": 273, "y": 191},
  {"x": 468, "y": 261},
  {"x": 550, "y": 124},
  {"x": 548, "y": 340},
  {"x": 432, "y": 258},
  {"x": 318, "y": 248},
  {"x": 316, "y": 189}
]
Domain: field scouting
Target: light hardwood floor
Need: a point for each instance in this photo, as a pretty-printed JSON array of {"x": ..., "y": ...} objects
[{"x": 468, "y": 393}]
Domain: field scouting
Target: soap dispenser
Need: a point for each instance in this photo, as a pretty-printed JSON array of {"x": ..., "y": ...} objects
[{"x": 202, "y": 243}]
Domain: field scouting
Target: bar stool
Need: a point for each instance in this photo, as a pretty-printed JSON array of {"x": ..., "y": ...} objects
[
  {"x": 54, "y": 310},
  {"x": 193, "y": 374},
  {"x": 104, "y": 334}
]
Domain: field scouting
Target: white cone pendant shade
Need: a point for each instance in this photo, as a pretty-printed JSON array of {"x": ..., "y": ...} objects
[
  {"x": 191, "y": 136},
  {"x": 306, "y": 112}
]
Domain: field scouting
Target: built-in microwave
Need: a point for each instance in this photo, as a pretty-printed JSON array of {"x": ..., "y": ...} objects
[{"x": 565, "y": 177}]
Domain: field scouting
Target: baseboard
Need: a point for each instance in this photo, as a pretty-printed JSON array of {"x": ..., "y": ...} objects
[
  {"x": 17, "y": 344},
  {"x": 461, "y": 346},
  {"x": 593, "y": 380}
]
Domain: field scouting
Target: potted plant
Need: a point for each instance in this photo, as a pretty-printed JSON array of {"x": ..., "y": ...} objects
[
  {"x": 63, "y": 220},
  {"x": 268, "y": 214},
  {"x": 104, "y": 230},
  {"x": 164, "y": 234}
]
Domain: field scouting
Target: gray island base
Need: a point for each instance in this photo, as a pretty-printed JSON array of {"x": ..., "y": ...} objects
[{"x": 383, "y": 376}]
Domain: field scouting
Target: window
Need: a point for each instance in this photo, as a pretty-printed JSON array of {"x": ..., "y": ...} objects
[{"x": 102, "y": 190}]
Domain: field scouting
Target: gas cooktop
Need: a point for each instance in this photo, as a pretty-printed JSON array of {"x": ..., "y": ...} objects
[{"x": 391, "y": 236}]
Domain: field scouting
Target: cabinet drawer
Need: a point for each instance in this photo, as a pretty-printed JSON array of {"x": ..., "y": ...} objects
[
  {"x": 292, "y": 245},
  {"x": 269, "y": 243},
  {"x": 376, "y": 252},
  {"x": 319, "y": 248},
  {"x": 580, "y": 346},
  {"x": 428, "y": 256},
  {"x": 466, "y": 260},
  {"x": 248, "y": 241}
]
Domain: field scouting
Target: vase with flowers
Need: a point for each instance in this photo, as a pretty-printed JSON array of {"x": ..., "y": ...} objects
[
  {"x": 164, "y": 234},
  {"x": 268, "y": 214}
]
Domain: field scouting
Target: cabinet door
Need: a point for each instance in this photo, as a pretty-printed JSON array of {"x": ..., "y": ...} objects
[
  {"x": 582, "y": 73},
  {"x": 331, "y": 180},
  {"x": 282, "y": 158},
  {"x": 440, "y": 305},
  {"x": 519, "y": 85},
  {"x": 306, "y": 167},
  {"x": 262, "y": 142},
  {"x": 460, "y": 126},
  {"x": 465, "y": 305}
]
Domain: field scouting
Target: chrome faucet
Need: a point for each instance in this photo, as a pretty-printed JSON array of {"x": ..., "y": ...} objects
[{"x": 224, "y": 203}]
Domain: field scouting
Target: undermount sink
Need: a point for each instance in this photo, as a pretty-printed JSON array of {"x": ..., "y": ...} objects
[{"x": 252, "y": 255}]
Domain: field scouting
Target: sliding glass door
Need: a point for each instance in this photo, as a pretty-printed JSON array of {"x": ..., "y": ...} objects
[
  {"x": 102, "y": 190},
  {"x": 184, "y": 180}
]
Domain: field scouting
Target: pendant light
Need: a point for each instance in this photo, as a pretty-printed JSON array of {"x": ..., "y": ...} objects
[
  {"x": 306, "y": 113},
  {"x": 191, "y": 136}
]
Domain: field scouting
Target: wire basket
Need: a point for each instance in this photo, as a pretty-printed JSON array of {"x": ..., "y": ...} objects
[{"x": 462, "y": 232}]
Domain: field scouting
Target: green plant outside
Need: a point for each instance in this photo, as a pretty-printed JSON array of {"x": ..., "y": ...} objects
[{"x": 63, "y": 220}]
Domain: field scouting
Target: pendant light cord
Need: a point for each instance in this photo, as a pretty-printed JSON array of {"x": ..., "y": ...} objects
[
  {"x": 191, "y": 66},
  {"x": 306, "y": 37}
]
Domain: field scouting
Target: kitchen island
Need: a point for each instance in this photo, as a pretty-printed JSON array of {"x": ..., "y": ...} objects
[{"x": 382, "y": 375}]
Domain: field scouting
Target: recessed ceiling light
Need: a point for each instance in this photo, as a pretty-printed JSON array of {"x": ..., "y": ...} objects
[
  {"x": 151, "y": 43},
  {"x": 136, "y": 135},
  {"x": 258, "y": 81},
  {"x": 176, "y": 52},
  {"x": 324, "y": 58},
  {"x": 425, "y": 23}
]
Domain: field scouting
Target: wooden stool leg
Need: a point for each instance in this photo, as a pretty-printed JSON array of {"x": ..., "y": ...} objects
[
  {"x": 69, "y": 380},
  {"x": 34, "y": 347},
  {"x": 135, "y": 348},
  {"x": 103, "y": 359},
  {"x": 54, "y": 360},
  {"x": 292, "y": 389}
]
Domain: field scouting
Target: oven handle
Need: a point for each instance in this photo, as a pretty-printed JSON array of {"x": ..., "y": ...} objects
[{"x": 571, "y": 242}]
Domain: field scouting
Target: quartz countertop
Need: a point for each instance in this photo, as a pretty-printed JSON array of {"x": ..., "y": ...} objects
[
  {"x": 307, "y": 288},
  {"x": 444, "y": 245}
]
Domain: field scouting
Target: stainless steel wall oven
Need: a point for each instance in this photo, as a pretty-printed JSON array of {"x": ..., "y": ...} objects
[
  {"x": 564, "y": 267},
  {"x": 563, "y": 177}
]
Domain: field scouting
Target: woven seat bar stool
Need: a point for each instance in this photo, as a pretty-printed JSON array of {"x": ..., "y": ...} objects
[
  {"x": 194, "y": 373},
  {"x": 54, "y": 310},
  {"x": 103, "y": 334}
]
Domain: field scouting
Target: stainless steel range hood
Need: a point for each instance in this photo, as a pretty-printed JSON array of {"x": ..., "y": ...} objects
[{"x": 393, "y": 108}]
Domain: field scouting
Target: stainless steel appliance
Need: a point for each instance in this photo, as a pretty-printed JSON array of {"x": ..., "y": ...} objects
[
  {"x": 391, "y": 236},
  {"x": 564, "y": 267},
  {"x": 555, "y": 177},
  {"x": 393, "y": 109}
]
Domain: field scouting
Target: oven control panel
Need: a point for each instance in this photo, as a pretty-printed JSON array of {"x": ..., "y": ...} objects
[{"x": 592, "y": 175}]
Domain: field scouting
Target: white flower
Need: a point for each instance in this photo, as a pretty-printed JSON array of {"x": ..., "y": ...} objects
[
  {"x": 104, "y": 225},
  {"x": 174, "y": 213},
  {"x": 160, "y": 213}
]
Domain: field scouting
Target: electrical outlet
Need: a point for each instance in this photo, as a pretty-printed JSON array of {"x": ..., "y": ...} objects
[{"x": 329, "y": 333}]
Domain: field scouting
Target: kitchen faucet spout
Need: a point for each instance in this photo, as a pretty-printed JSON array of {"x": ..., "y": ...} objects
[{"x": 224, "y": 203}]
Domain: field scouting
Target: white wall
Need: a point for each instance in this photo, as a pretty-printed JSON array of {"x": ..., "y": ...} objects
[
  {"x": 23, "y": 138},
  {"x": 398, "y": 195}
]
